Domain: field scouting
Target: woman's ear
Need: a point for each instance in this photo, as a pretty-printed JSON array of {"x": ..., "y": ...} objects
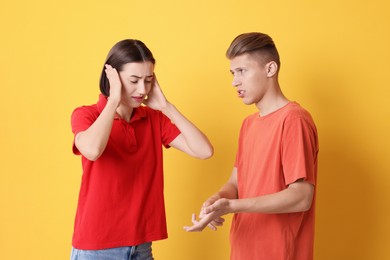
[{"x": 272, "y": 69}]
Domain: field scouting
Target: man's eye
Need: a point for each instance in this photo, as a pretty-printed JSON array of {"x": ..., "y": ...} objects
[{"x": 134, "y": 82}]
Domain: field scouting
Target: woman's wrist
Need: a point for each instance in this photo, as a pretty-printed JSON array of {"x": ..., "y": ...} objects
[
  {"x": 168, "y": 109},
  {"x": 112, "y": 102}
]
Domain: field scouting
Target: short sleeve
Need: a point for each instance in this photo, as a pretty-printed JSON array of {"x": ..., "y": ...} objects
[
  {"x": 82, "y": 118},
  {"x": 169, "y": 130},
  {"x": 299, "y": 150}
]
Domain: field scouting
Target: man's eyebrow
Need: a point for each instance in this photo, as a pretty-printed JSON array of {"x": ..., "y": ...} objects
[{"x": 235, "y": 69}]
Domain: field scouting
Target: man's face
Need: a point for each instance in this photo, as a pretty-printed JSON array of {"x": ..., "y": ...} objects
[{"x": 249, "y": 77}]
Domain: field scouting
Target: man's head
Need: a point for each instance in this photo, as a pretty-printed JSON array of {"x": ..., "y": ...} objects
[
  {"x": 258, "y": 45},
  {"x": 254, "y": 64}
]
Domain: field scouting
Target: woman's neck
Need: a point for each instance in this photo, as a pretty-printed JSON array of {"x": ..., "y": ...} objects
[{"x": 125, "y": 112}]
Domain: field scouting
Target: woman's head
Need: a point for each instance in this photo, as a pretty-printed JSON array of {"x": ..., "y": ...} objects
[{"x": 125, "y": 51}]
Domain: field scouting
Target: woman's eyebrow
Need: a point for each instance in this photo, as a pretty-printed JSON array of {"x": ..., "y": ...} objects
[{"x": 139, "y": 77}]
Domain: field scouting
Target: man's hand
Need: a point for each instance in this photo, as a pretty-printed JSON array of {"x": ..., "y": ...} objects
[{"x": 210, "y": 215}]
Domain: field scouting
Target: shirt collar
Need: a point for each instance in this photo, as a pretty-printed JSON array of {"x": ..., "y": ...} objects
[{"x": 138, "y": 112}]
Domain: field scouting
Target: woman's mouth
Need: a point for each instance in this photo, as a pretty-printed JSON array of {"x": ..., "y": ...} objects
[{"x": 138, "y": 98}]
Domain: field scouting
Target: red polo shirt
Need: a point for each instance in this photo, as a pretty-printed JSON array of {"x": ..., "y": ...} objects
[{"x": 121, "y": 200}]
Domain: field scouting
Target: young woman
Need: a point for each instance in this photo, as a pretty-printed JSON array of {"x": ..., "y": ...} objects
[{"x": 121, "y": 205}]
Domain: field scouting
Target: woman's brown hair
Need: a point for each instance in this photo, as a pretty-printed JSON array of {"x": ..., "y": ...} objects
[{"x": 123, "y": 52}]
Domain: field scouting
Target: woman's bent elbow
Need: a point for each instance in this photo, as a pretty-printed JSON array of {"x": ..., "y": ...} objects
[
  {"x": 204, "y": 154},
  {"x": 91, "y": 155},
  {"x": 207, "y": 154}
]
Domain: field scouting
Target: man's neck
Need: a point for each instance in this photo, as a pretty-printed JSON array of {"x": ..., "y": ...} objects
[{"x": 272, "y": 101}]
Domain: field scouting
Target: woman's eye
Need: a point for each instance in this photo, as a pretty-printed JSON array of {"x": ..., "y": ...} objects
[{"x": 134, "y": 82}]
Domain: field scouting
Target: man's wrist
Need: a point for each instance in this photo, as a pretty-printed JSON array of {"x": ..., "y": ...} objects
[{"x": 234, "y": 205}]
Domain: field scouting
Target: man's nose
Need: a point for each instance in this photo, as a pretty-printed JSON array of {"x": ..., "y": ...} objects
[{"x": 235, "y": 82}]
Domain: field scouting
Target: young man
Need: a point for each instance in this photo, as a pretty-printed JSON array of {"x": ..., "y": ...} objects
[{"x": 272, "y": 187}]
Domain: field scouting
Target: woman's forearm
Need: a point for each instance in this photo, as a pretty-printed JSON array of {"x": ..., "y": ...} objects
[
  {"x": 197, "y": 143},
  {"x": 92, "y": 142}
]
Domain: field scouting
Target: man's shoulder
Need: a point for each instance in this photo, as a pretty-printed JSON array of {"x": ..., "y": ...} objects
[
  {"x": 294, "y": 110},
  {"x": 250, "y": 118},
  {"x": 296, "y": 114}
]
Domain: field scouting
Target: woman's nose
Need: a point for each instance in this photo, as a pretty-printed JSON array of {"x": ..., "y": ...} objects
[{"x": 141, "y": 88}]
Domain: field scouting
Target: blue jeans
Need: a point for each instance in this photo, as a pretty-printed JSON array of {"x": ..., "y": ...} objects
[{"x": 140, "y": 252}]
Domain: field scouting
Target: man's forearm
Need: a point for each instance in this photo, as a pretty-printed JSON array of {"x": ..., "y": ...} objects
[{"x": 296, "y": 198}]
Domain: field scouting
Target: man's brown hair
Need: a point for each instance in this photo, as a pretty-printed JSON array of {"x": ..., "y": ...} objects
[{"x": 258, "y": 44}]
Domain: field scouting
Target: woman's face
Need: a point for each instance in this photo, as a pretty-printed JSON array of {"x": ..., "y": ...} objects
[{"x": 137, "y": 80}]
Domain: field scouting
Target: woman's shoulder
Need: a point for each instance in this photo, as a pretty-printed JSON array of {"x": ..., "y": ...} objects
[{"x": 86, "y": 110}]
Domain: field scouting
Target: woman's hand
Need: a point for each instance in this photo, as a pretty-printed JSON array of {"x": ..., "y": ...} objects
[
  {"x": 92, "y": 142},
  {"x": 190, "y": 140},
  {"x": 156, "y": 99},
  {"x": 115, "y": 83}
]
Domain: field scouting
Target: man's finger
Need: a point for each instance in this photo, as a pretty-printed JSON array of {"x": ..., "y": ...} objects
[{"x": 212, "y": 227}]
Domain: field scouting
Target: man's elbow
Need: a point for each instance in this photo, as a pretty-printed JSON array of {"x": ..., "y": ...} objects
[
  {"x": 304, "y": 192},
  {"x": 306, "y": 204}
]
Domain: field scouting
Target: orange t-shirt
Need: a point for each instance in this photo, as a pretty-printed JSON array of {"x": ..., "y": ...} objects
[{"x": 275, "y": 151}]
